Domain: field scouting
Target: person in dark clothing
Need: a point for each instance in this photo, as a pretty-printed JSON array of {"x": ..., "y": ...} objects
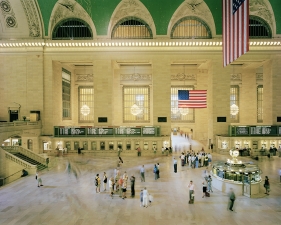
[
  {"x": 231, "y": 199},
  {"x": 24, "y": 173},
  {"x": 132, "y": 179}
]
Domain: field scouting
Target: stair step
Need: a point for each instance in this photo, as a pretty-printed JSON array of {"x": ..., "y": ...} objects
[{"x": 31, "y": 161}]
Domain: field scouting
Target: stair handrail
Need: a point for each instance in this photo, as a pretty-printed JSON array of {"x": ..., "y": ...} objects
[
  {"x": 8, "y": 178},
  {"x": 26, "y": 152}
]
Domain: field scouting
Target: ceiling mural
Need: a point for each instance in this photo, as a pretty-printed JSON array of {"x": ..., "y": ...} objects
[
  {"x": 8, "y": 14},
  {"x": 32, "y": 18}
]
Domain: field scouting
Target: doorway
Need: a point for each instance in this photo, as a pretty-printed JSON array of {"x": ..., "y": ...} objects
[{"x": 14, "y": 115}]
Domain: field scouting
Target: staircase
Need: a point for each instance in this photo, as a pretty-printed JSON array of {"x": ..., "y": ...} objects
[{"x": 39, "y": 165}]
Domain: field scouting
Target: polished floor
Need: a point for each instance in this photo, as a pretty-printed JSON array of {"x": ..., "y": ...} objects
[{"x": 66, "y": 200}]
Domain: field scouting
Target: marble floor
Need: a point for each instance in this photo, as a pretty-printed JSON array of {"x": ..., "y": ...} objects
[{"x": 66, "y": 200}]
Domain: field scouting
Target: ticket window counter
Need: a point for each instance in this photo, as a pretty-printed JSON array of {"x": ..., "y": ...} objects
[
  {"x": 145, "y": 145},
  {"x": 119, "y": 145},
  {"x": 111, "y": 145},
  {"x": 85, "y": 145},
  {"x": 102, "y": 145},
  {"x": 94, "y": 145},
  {"x": 137, "y": 144},
  {"x": 76, "y": 145},
  {"x": 128, "y": 145},
  {"x": 68, "y": 145}
]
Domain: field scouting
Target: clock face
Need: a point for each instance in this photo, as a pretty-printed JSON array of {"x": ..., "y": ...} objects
[{"x": 235, "y": 153}]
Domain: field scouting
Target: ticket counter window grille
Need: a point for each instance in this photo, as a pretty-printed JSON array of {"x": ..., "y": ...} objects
[
  {"x": 131, "y": 28},
  {"x": 136, "y": 106},
  {"x": 180, "y": 114},
  {"x": 260, "y": 104},
  {"x": 190, "y": 28},
  {"x": 66, "y": 94},
  {"x": 234, "y": 103},
  {"x": 86, "y": 104}
]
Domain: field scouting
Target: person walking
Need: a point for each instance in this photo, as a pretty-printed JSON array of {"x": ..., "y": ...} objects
[
  {"x": 142, "y": 173},
  {"x": 280, "y": 174},
  {"x": 141, "y": 198},
  {"x": 119, "y": 152},
  {"x": 266, "y": 185},
  {"x": 231, "y": 196},
  {"x": 39, "y": 179},
  {"x": 175, "y": 165},
  {"x": 139, "y": 151},
  {"x": 132, "y": 179},
  {"x": 111, "y": 186},
  {"x": 191, "y": 192},
  {"x": 204, "y": 189},
  {"x": 158, "y": 170},
  {"x": 120, "y": 183},
  {"x": 145, "y": 197},
  {"x": 155, "y": 172},
  {"x": 124, "y": 189},
  {"x": 209, "y": 180},
  {"x": 104, "y": 181},
  {"x": 97, "y": 183}
]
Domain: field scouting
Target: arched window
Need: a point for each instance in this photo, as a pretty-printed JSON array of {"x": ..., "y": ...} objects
[
  {"x": 72, "y": 29},
  {"x": 131, "y": 28},
  {"x": 259, "y": 28},
  {"x": 191, "y": 27}
]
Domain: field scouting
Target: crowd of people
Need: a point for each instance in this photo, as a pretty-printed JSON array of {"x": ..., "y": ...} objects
[{"x": 196, "y": 160}]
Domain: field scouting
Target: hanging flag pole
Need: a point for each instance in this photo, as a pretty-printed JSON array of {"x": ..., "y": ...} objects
[{"x": 235, "y": 29}]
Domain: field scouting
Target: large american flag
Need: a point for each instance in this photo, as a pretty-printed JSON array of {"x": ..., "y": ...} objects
[
  {"x": 235, "y": 29},
  {"x": 192, "y": 98}
]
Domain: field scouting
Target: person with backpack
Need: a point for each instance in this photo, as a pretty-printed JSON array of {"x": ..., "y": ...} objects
[
  {"x": 104, "y": 181},
  {"x": 155, "y": 172},
  {"x": 97, "y": 183}
]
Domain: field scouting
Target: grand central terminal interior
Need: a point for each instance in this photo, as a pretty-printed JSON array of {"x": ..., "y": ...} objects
[{"x": 92, "y": 77}]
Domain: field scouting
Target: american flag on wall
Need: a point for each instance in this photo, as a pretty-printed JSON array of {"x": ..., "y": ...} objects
[
  {"x": 235, "y": 29},
  {"x": 192, "y": 98}
]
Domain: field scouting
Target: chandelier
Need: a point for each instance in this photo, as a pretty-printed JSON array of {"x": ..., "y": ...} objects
[
  {"x": 234, "y": 109},
  {"x": 184, "y": 111},
  {"x": 85, "y": 110},
  {"x": 135, "y": 109},
  {"x": 175, "y": 110}
]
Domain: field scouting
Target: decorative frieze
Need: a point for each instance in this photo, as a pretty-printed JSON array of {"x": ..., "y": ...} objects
[
  {"x": 259, "y": 76},
  {"x": 85, "y": 77},
  {"x": 32, "y": 18},
  {"x": 182, "y": 76},
  {"x": 236, "y": 76},
  {"x": 135, "y": 77}
]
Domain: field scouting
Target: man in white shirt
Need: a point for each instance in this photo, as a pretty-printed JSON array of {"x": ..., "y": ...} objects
[{"x": 145, "y": 197}]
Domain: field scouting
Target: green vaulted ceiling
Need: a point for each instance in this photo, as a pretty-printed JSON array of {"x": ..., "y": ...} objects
[{"x": 160, "y": 10}]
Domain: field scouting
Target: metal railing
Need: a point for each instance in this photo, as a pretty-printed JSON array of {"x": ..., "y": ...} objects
[
  {"x": 12, "y": 177},
  {"x": 19, "y": 123}
]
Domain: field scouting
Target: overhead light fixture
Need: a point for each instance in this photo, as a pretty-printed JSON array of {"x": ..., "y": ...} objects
[
  {"x": 135, "y": 109},
  {"x": 85, "y": 110},
  {"x": 234, "y": 109},
  {"x": 184, "y": 111}
]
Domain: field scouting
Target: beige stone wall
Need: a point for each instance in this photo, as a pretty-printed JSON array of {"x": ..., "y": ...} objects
[{"x": 35, "y": 83}]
